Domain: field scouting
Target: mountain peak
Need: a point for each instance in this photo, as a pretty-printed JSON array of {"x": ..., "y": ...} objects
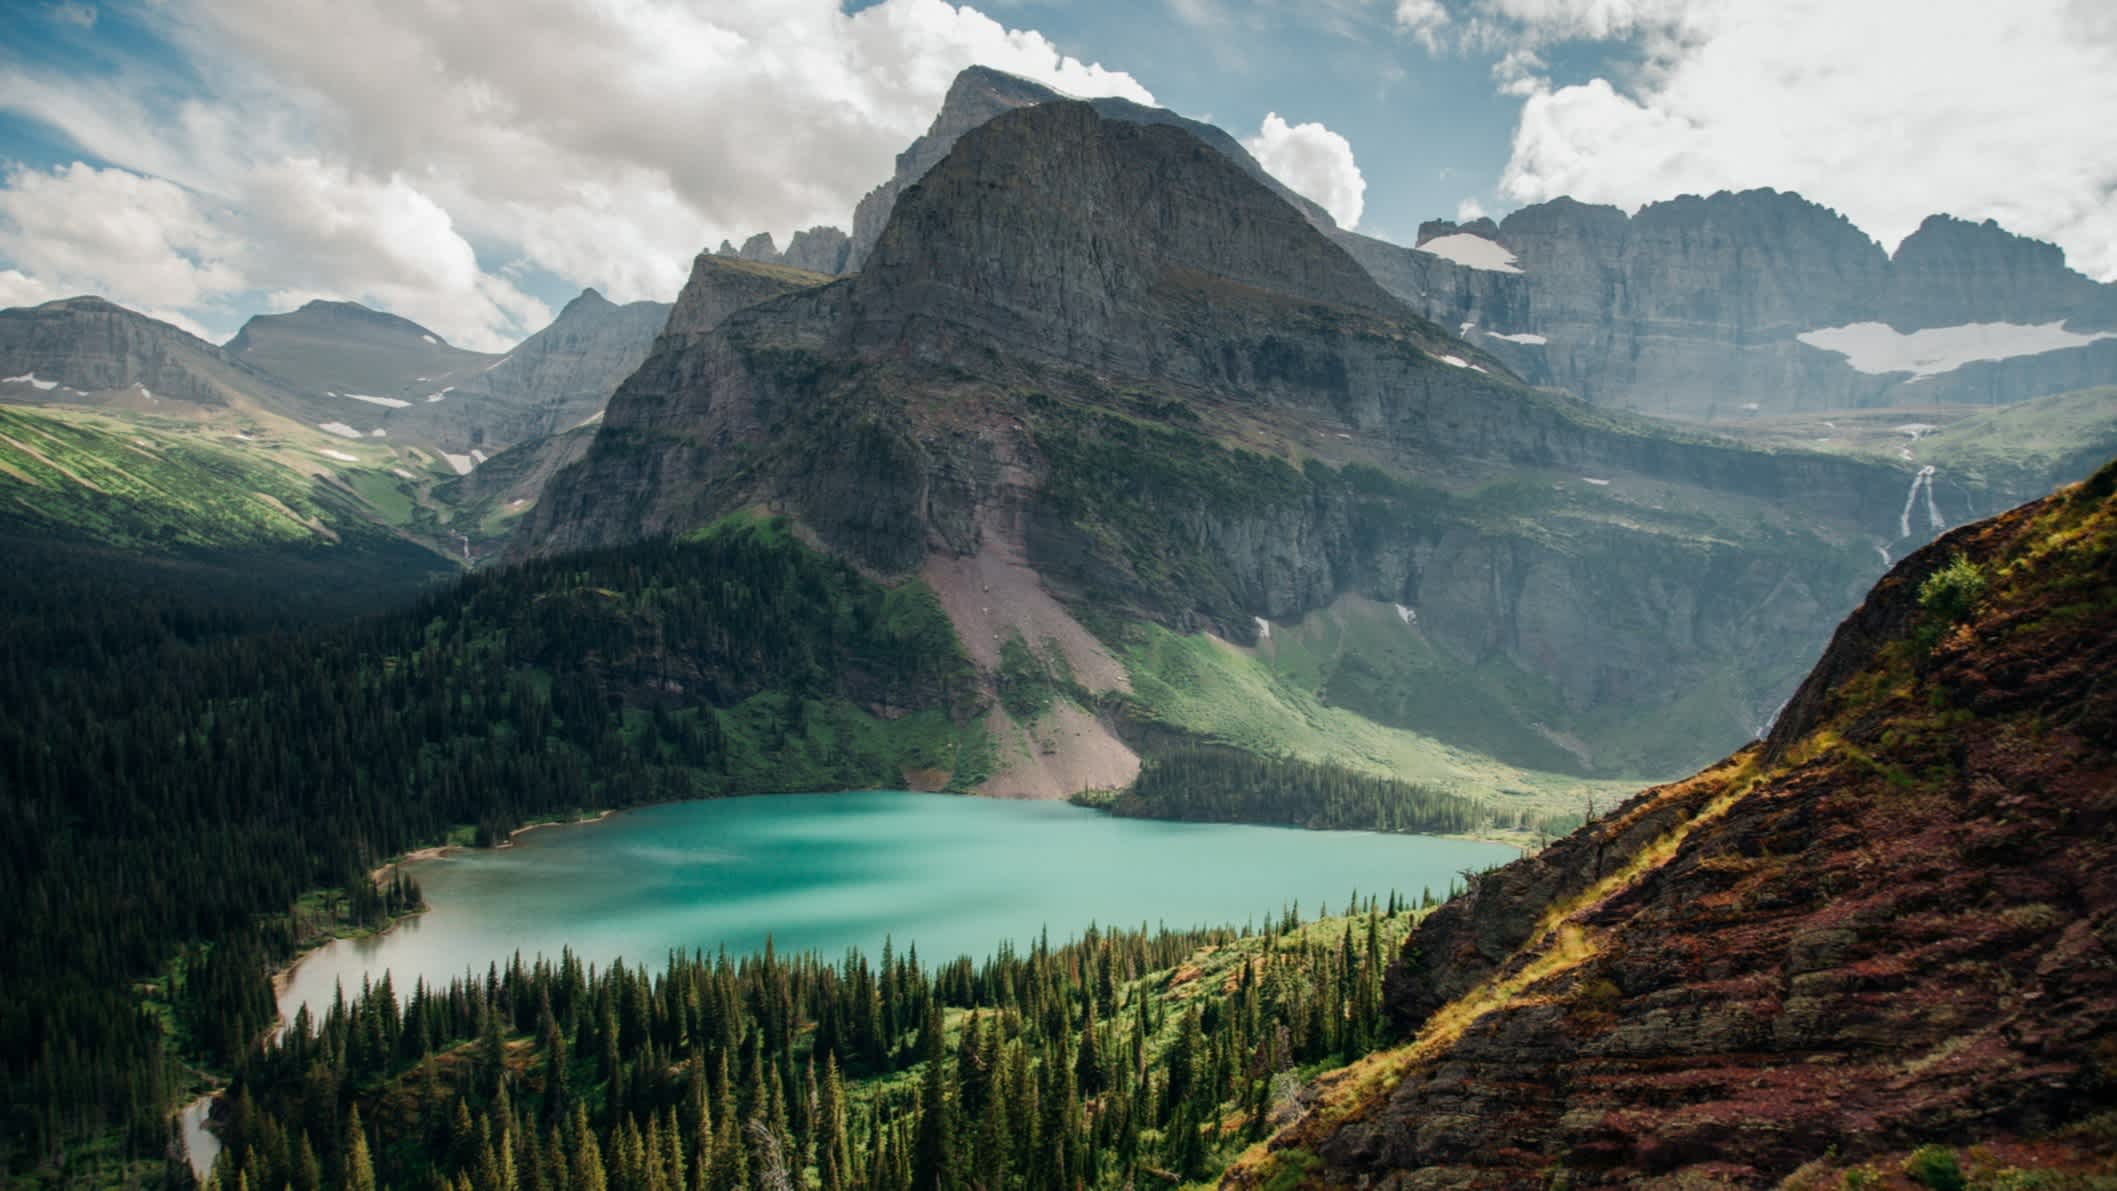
[
  {"x": 1064, "y": 231},
  {"x": 588, "y": 301}
]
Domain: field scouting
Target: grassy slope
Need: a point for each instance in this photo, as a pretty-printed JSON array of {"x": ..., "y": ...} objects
[{"x": 1204, "y": 687}]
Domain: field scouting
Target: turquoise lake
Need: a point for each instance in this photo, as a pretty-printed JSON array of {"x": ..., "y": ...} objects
[{"x": 826, "y": 872}]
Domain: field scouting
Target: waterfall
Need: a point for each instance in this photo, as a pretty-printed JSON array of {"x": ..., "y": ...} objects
[
  {"x": 1933, "y": 511},
  {"x": 1911, "y": 498}
]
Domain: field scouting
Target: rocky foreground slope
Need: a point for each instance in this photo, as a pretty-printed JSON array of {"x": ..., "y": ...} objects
[
  {"x": 1892, "y": 923},
  {"x": 1097, "y": 365}
]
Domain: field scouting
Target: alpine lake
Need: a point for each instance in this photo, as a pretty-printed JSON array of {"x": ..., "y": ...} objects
[{"x": 948, "y": 875}]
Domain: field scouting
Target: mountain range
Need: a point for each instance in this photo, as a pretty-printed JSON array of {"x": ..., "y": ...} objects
[
  {"x": 1716, "y": 307},
  {"x": 1357, "y": 466}
]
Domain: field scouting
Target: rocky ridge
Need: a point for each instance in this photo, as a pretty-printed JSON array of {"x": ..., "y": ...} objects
[
  {"x": 91, "y": 351},
  {"x": 1890, "y": 924},
  {"x": 1691, "y": 307},
  {"x": 556, "y": 379},
  {"x": 1723, "y": 307}
]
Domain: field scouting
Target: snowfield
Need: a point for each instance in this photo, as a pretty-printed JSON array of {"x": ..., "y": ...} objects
[
  {"x": 1877, "y": 348},
  {"x": 1472, "y": 252}
]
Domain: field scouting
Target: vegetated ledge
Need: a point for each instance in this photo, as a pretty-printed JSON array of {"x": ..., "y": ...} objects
[{"x": 1890, "y": 925}]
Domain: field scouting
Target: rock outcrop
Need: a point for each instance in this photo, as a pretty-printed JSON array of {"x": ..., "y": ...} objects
[
  {"x": 1894, "y": 923},
  {"x": 1105, "y": 346}
]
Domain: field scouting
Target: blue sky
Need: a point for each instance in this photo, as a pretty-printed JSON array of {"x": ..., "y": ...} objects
[{"x": 473, "y": 166}]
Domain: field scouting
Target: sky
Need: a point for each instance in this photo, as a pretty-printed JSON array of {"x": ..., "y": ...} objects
[{"x": 473, "y": 165}]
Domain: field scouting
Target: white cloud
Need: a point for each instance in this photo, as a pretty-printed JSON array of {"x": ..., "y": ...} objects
[
  {"x": 1423, "y": 19},
  {"x": 1313, "y": 161},
  {"x": 1887, "y": 110},
  {"x": 1469, "y": 210},
  {"x": 142, "y": 241},
  {"x": 605, "y": 142}
]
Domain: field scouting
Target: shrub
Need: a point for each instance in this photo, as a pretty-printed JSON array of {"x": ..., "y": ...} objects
[
  {"x": 1935, "y": 1167},
  {"x": 1952, "y": 593}
]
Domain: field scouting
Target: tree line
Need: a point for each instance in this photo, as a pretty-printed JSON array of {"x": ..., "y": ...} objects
[{"x": 1122, "y": 1058}]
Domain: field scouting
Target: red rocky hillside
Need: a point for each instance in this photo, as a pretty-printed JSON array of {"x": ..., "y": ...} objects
[{"x": 1891, "y": 925}]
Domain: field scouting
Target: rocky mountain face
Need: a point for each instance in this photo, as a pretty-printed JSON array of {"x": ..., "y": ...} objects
[
  {"x": 1717, "y": 308},
  {"x": 1102, "y": 354},
  {"x": 557, "y": 378},
  {"x": 1892, "y": 923},
  {"x": 1758, "y": 303},
  {"x": 980, "y": 93},
  {"x": 823, "y": 250},
  {"x": 90, "y": 351}
]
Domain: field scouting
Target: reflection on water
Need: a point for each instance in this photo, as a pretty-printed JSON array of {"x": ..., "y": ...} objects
[{"x": 827, "y": 872}]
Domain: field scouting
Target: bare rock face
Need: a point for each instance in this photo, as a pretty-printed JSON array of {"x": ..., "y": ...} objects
[
  {"x": 1894, "y": 925},
  {"x": 1704, "y": 307},
  {"x": 556, "y": 379},
  {"x": 981, "y": 93},
  {"x": 92, "y": 351}
]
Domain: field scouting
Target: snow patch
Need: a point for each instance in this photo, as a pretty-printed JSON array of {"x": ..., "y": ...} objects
[
  {"x": 145, "y": 391},
  {"x": 402, "y": 474},
  {"x": 1264, "y": 628},
  {"x": 1405, "y": 614},
  {"x": 341, "y": 456},
  {"x": 30, "y": 378},
  {"x": 431, "y": 339},
  {"x": 340, "y": 429},
  {"x": 1917, "y": 430},
  {"x": 433, "y": 397},
  {"x": 1523, "y": 337},
  {"x": 1457, "y": 361},
  {"x": 1472, "y": 252},
  {"x": 1594, "y": 481},
  {"x": 378, "y": 432},
  {"x": 1877, "y": 348},
  {"x": 385, "y": 402},
  {"x": 462, "y": 463},
  {"x": 495, "y": 364},
  {"x": 478, "y": 455}
]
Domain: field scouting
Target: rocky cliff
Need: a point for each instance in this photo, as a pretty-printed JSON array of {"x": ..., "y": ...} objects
[
  {"x": 1891, "y": 924},
  {"x": 1102, "y": 351},
  {"x": 91, "y": 351},
  {"x": 1735, "y": 305},
  {"x": 552, "y": 381}
]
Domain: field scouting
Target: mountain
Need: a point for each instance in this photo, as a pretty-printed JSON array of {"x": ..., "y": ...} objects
[
  {"x": 977, "y": 95},
  {"x": 1718, "y": 308},
  {"x": 557, "y": 378},
  {"x": 91, "y": 352},
  {"x": 1095, "y": 373},
  {"x": 1761, "y": 302},
  {"x": 348, "y": 350},
  {"x": 1889, "y": 925}
]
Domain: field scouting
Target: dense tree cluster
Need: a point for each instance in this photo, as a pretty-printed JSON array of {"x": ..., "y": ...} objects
[
  {"x": 1123, "y": 1057},
  {"x": 171, "y": 784},
  {"x": 1224, "y": 785}
]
